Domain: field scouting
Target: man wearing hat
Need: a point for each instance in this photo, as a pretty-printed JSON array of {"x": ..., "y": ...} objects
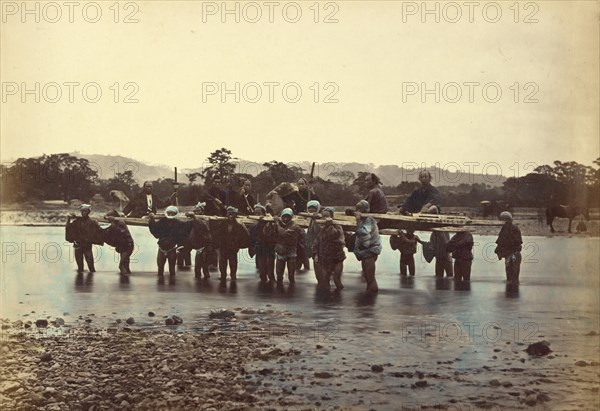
[
  {"x": 328, "y": 252},
  {"x": 234, "y": 236},
  {"x": 313, "y": 207},
  {"x": 509, "y": 247},
  {"x": 83, "y": 232},
  {"x": 169, "y": 231},
  {"x": 368, "y": 245},
  {"x": 262, "y": 247},
  {"x": 289, "y": 237}
]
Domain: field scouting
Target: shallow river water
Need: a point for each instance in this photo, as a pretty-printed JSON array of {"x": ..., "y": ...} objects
[{"x": 459, "y": 339}]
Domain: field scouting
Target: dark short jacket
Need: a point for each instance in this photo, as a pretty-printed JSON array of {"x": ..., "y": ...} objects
[
  {"x": 461, "y": 246},
  {"x": 117, "y": 235},
  {"x": 233, "y": 236},
  {"x": 329, "y": 244},
  {"x": 200, "y": 235},
  {"x": 404, "y": 243},
  {"x": 84, "y": 231},
  {"x": 245, "y": 205},
  {"x": 418, "y": 198},
  {"x": 260, "y": 244},
  {"x": 289, "y": 237},
  {"x": 169, "y": 232},
  {"x": 509, "y": 240},
  {"x": 209, "y": 198},
  {"x": 377, "y": 201}
]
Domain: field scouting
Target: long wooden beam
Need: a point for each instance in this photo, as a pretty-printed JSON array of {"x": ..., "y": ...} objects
[{"x": 389, "y": 223}]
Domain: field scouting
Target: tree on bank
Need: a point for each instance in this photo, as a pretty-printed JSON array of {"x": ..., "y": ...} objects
[
  {"x": 121, "y": 181},
  {"x": 563, "y": 183},
  {"x": 221, "y": 164},
  {"x": 65, "y": 177},
  {"x": 49, "y": 177}
]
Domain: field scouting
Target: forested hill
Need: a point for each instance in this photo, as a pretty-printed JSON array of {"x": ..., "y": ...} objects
[{"x": 391, "y": 175}]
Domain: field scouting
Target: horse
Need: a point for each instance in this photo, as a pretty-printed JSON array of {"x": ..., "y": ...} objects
[{"x": 563, "y": 211}]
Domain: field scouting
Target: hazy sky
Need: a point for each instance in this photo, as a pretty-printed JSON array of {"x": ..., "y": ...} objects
[{"x": 372, "y": 65}]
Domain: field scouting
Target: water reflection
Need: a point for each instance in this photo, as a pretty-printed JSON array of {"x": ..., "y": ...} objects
[
  {"x": 202, "y": 285},
  {"x": 223, "y": 288},
  {"x": 335, "y": 296},
  {"x": 442, "y": 283},
  {"x": 365, "y": 299},
  {"x": 265, "y": 288},
  {"x": 407, "y": 282},
  {"x": 124, "y": 282},
  {"x": 512, "y": 290},
  {"x": 327, "y": 297},
  {"x": 84, "y": 283},
  {"x": 421, "y": 296},
  {"x": 162, "y": 280},
  {"x": 462, "y": 286}
]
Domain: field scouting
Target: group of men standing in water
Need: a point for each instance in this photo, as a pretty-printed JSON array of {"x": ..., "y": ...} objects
[{"x": 279, "y": 244}]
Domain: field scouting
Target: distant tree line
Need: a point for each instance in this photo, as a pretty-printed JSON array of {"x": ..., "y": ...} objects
[{"x": 66, "y": 177}]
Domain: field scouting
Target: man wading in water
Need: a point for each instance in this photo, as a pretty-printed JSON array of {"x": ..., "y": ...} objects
[
  {"x": 169, "y": 231},
  {"x": 368, "y": 245},
  {"x": 289, "y": 237},
  {"x": 83, "y": 232}
]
